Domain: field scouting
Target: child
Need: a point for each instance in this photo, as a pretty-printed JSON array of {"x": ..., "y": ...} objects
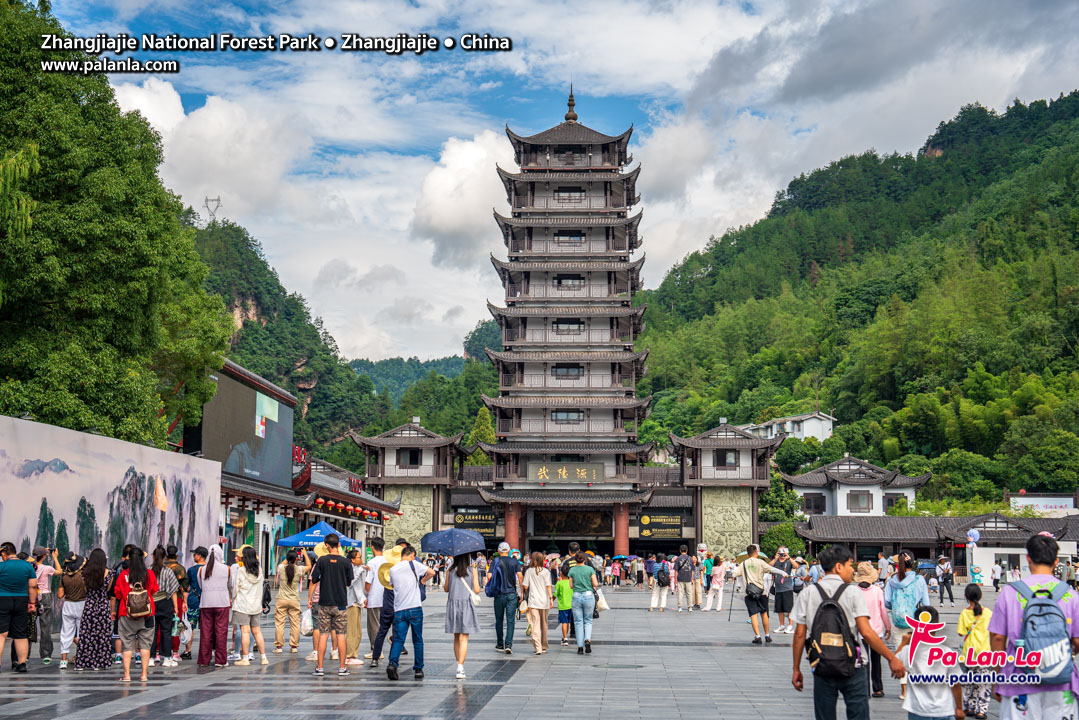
[
  {"x": 563, "y": 592},
  {"x": 934, "y": 587},
  {"x": 974, "y": 626},
  {"x": 928, "y": 700}
]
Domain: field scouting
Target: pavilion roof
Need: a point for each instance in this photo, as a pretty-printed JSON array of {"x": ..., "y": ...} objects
[
  {"x": 852, "y": 471},
  {"x": 609, "y": 310},
  {"x": 726, "y": 436}
]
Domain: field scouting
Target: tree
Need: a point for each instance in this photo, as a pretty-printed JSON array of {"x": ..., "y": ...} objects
[
  {"x": 832, "y": 449},
  {"x": 63, "y": 544},
  {"x": 792, "y": 454},
  {"x": 486, "y": 335},
  {"x": 963, "y": 475},
  {"x": 782, "y": 535},
  {"x": 86, "y": 527},
  {"x": 779, "y": 504},
  {"x": 482, "y": 431},
  {"x": 104, "y": 319}
]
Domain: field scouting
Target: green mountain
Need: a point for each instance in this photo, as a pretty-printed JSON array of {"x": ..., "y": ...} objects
[
  {"x": 275, "y": 336},
  {"x": 395, "y": 375},
  {"x": 930, "y": 301}
]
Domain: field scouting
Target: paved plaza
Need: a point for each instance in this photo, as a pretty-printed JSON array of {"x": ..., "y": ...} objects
[{"x": 644, "y": 665}]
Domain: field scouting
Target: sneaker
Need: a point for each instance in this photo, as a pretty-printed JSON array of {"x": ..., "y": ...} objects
[
  {"x": 46, "y": 661},
  {"x": 679, "y": 609},
  {"x": 374, "y": 663},
  {"x": 691, "y": 609},
  {"x": 587, "y": 646},
  {"x": 250, "y": 656},
  {"x": 243, "y": 662},
  {"x": 353, "y": 661},
  {"x": 318, "y": 672},
  {"x": 138, "y": 659},
  {"x": 757, "y": 640},
  {"x": 224, "y": 664},
  {"x": 342, "y": 671},
  {"x": 460, "y": 673},
  {"x": 391, "y": 672},
  {"x": 500, "y": 648},
  {"x": 368, "y": 656},
  {"x": 151, "y": 662},
  {"x": 565, "y": 643},
  {"x": 767, "y": 638},
  {"x": 294, "y": 650},
  {"x": 580, "y": 650},
  {"x": 21, "y": 668},
  {"x": 312, "y": 656},
  {"x": 278, "y": 650},
  {"x": 63, "y": 664},
  {"x": 175, "y": 658},
  {"x": 404, "y": 651},
  {"x": 509, "y": 650},
  {"x": 186, "y": 655},
  {"x": 418, "y": 675},
  {"x": 333, "y": 655},
  {"x": 265, "y": 660}
]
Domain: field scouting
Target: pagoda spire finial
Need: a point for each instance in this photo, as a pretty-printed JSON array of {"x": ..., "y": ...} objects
[{"x": 571, "y": 116}]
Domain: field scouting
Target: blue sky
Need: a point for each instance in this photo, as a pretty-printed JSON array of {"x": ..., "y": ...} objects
[{"x": 369, "y": 179}]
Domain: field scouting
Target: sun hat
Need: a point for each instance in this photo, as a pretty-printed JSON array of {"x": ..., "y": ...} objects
[{"x": 866, "y": 572}]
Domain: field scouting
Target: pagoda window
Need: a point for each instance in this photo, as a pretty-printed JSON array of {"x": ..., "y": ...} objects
[
  {"x": 569, "y": 237},
  {"x": 859, "y": 501},
  {"x": 567, "y": 458},
  {"x": 567, "y": 417},
  {"x": 569, "y": 281},
  {"x": 568, "y": 327},
  {"x": 569, "y": 194},
  {"x": 814, "y": 504},
  {"x": 725, "y": 458},
  {"x": 408, "y": 457},
  {"x": 565, "y": 370}
]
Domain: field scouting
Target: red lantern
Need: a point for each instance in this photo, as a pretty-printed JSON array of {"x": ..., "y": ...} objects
[
  {"x": 349, "y": 508},
  {"x": 399, "y": 513},
  {"x": 367, "y": 513},
  {"x": 340, "y": 506},
  {"x": 320, "y": 502}
]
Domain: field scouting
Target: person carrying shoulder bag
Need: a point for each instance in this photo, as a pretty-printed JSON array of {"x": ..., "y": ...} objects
[{"x": 752, "y": 571}]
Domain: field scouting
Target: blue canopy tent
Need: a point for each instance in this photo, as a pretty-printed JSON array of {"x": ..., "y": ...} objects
[{"x": 315, "y": 534}]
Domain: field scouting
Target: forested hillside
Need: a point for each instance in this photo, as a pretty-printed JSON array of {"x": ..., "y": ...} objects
[
  {"x": 929, "y": 301},
  {"x": 395, "y": 375}
]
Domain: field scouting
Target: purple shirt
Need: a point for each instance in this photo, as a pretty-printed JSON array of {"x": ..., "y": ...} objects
[{"x": 1007, "y": 620}]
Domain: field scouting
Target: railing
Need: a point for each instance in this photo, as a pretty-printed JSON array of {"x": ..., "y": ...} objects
[
  {"x": 438, "y": 471},
  {"x": 539, "y": 290},
  {"x": 720, "y": 473},
  {"x": 567, "y": 160},
  {"x": 578, "y": 338},
  {"x": 584, "y": 247},
  {"x": 474, "y": 476},
  {"x": 581, "y": 202},
  {"x": 661, "y": 476},
  {"x": 595, "y": 381},
  {"x": 534, "y": 426}
]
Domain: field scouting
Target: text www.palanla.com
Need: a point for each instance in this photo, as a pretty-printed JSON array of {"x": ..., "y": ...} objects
[
  {"x": 108, "y": 65},
  {"x": 974, "y": 678}
]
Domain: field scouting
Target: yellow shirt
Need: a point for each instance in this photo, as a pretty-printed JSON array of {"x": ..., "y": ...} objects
[{"x": 976, "y": 630}]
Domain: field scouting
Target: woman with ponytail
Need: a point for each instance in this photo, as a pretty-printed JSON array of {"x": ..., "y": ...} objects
[
  {"x": 974, "y": 627},
  {"x": 289, "y": 575},
  {"x": 904, "y": 593}
]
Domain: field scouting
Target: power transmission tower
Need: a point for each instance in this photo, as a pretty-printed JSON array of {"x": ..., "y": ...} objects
[{"x": 212, "y": 211}]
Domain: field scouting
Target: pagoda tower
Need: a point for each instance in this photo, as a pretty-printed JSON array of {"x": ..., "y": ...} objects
[{"x": 567, "y": 413}]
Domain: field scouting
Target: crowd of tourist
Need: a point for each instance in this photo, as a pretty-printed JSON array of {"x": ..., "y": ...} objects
[{"x": 849, "y": 618}]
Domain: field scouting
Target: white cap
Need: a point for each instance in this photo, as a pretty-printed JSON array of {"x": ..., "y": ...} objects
[{"x": 503, "y": 547}]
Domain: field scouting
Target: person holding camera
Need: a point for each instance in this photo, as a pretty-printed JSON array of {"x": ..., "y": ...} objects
[{"x": 752, "y": 571}]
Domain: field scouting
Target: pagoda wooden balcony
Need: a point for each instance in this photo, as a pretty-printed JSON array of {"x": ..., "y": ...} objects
[
  {"x": 556, "y": 247},
  {"x": 590, "y": 381},
  {"x": 587, "y": 337},
  {"x": 727, "y": 473},
  {"x": 516, "y": 291},
  {"x": 408, "y": 471},
  {"x": 568, "y": 160},
  {"x": 509, "y": 426},
  {"x": 568, "y": 202}
]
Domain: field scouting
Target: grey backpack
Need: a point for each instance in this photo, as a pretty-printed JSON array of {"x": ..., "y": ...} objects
[{"x": 1045, "y": 629}]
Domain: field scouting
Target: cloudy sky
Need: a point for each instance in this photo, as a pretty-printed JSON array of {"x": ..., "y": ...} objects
[{"x": 370, "y": 179}]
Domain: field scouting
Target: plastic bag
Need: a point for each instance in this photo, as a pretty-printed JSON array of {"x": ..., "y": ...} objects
[
  {"x": 307, "y": 624},
  {"x": 601, "y": 602}
]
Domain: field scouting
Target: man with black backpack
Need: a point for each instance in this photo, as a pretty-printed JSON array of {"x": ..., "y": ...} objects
[
  {"x": 505, "y": 572},
  {"x": 1041, "y": 613},
  {"x": 830, "y": 615}
]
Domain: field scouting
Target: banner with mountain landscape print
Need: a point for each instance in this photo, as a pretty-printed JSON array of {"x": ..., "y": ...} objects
[{"x": 77, "y": 491}]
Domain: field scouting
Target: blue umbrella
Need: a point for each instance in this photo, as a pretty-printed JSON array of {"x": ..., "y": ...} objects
[
  {"x": 315, "y": 534},
  {"x": 452, "y": 541},
  {"x": 926, "y": 566}
]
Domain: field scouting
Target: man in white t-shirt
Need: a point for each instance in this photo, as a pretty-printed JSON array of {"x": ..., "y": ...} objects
[
  {"x": 996, "y": 574},
  {"x": 927, "y": 699},
  {"x": 373, "y": 589},
  {"x": 407, "y": 578},
  {"x": 884, "y": 568}
]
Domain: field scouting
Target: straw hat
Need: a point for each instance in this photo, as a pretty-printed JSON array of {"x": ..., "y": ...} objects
[
  {"x": 392, "y": 556},
  {"x": 866, "y": 572}
]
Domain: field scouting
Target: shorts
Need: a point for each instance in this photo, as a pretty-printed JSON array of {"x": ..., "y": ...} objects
[
  {"x": 757, "y": 606},
  {"x": 565, "y": 617},
  {"x": 333, "y": 618},
  {"x": 15, "y": 617},
  {"x": 246, "y": 619},
  {"x": 132, "y": 629},
  {"x": 193, "y": 617},
  {"x": 784, "y": 602}
]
